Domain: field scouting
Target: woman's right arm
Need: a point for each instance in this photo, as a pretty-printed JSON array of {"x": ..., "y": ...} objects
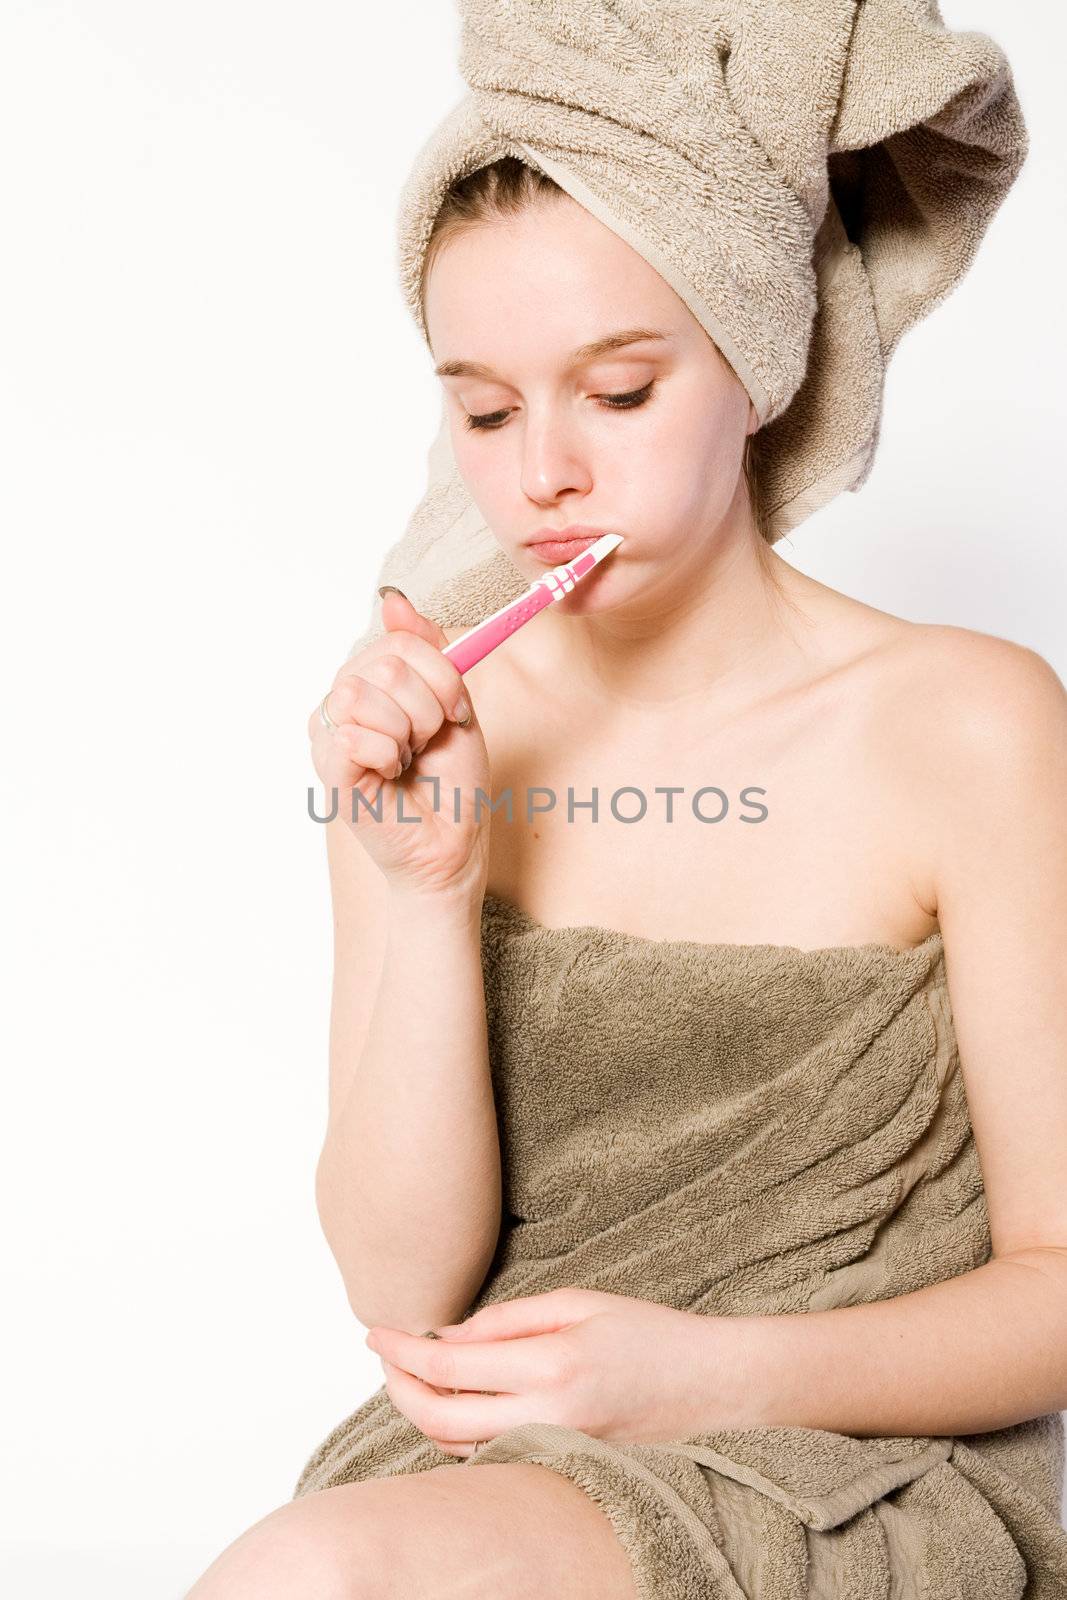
[{"x": 408, "y": 1184}]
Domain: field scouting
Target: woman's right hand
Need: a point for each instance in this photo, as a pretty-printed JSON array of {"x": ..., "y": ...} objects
[{"x": 396, "y": 696}]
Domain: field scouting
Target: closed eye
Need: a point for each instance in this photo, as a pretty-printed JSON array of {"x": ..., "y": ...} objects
[{"x": 610, "y": 402}]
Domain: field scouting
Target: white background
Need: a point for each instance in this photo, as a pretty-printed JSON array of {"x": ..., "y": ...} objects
[{"x": 214, "y": 414}]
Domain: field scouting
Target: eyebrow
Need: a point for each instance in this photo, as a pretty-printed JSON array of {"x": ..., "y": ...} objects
[{"x": 584, "y": 352}]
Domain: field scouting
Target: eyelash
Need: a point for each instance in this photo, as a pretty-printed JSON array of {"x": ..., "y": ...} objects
[{"x": 613, "y": 402}]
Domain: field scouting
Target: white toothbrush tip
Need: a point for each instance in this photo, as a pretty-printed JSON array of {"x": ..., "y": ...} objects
[{"x": 604, "y": 545}]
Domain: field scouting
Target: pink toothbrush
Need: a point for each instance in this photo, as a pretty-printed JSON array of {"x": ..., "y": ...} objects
[{"x": 472, "y": 646}]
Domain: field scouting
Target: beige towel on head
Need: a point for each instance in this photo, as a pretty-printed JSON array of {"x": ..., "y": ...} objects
[{"x": 811, "y": 178}]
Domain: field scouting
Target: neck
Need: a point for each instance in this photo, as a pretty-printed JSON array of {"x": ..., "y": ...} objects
[{"x": 734, "y": 615}]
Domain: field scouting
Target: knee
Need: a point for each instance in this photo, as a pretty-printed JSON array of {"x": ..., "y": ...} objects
[{"x": 306, "y": 1547}]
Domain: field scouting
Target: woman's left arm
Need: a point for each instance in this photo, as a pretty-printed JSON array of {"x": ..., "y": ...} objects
[
  {"x": 980, "y": 1351},
  {"x": 988, "y": 1348}
]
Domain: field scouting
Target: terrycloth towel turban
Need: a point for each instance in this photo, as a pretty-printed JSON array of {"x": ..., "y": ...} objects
[{"x": 811, "y": 177}]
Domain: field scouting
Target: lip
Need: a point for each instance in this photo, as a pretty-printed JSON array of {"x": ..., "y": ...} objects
[
  {"x": 557, "y": 552},
  {"x": 555, "y": 549},
  {"x": 576, "y": 531}
]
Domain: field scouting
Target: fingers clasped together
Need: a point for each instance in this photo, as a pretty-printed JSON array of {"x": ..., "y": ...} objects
[{"x": 578, "y": 1358}]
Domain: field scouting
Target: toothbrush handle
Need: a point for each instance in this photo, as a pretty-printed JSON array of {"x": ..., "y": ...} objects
[{"x": 466, "y": 651}]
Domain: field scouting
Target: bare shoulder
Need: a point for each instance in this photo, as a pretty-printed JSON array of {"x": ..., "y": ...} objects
[
  {"x": 975, "y": 727},
  {"x": 974, "y": 690},
  {"x": 963, "y": 730}
]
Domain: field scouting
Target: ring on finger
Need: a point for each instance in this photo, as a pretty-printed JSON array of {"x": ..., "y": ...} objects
[{"x": 327, "y": 720}]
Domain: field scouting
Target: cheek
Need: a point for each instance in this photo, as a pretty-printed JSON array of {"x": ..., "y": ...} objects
[
  {"x": 684, "y": 458},
  {"x": 487, "y": 474},
  {"x": 676, "y": 490},
  {"x": 698, "y": 434}
]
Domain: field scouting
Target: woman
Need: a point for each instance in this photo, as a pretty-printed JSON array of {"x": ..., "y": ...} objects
[{"x": 676, "y": 1104}]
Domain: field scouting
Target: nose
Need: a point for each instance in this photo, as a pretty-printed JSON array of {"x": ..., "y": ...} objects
[{"x": 553, "y": 458}]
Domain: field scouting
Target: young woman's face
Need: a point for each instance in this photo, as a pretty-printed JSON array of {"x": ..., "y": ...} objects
[{"x": 645, "y": 440}]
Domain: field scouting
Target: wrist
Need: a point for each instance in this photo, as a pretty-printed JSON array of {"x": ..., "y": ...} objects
[
  {"x": 457, "y": 904},
  {"x": 736, "y": 1378}
]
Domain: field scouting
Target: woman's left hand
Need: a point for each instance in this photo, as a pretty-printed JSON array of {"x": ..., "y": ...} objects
[{"x": 607, "y": 1364}]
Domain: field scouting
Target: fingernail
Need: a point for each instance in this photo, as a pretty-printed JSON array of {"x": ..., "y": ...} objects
[
  {"x": 391, "y": 588},
  {"x": 406, "y": 761},
  {"x": 461, "y": 711}
]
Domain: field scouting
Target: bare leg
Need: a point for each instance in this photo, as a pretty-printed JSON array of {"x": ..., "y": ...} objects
[{"x": 452, "y": 1533}]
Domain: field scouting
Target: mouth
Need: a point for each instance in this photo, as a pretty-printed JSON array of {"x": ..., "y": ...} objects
[{"x": 553, "y": 547}]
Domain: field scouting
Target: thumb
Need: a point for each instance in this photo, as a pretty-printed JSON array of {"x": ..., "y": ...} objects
[{"x": 398, "y": 612}]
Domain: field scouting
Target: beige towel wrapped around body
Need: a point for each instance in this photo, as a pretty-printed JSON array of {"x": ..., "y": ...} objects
[{"x": 738, "y": 1130}]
